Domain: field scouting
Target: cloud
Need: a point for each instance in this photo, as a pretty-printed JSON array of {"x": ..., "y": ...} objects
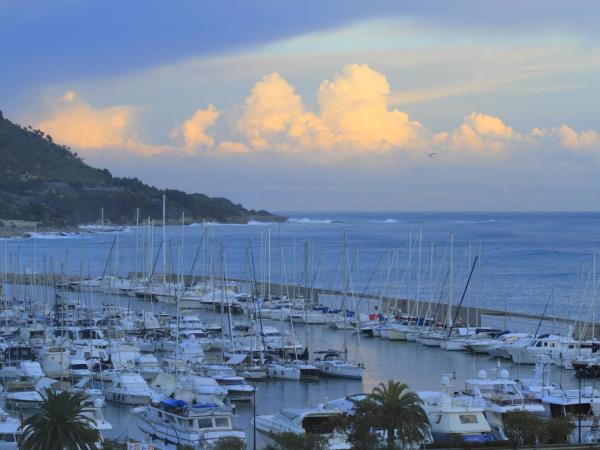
[
  {"x": 233, "y": 147},
  {"x": 353, "y": 116},
  {"x": 478, "y": 133},
  {"x": 584, "y": 140},
  {"x": 193, "y": 130},
  {"x": 77, "y": 124},
  {"x": 352, "y": 119},
  {"x": 69, "y": 96},
  {"x": 354, "y": 106}
]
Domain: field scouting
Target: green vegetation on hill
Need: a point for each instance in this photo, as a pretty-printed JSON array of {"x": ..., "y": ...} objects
[{"x": 44, "y": 182}]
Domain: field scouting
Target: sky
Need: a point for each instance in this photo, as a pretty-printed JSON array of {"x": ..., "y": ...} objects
[{"x": 320, "y": 105}]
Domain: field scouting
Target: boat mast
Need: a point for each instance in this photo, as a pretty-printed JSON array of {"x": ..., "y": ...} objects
[
  {"x": 594, "y": 299},
  {"x": 164, "y": 230},
  {"x": 451, "y": 284}
]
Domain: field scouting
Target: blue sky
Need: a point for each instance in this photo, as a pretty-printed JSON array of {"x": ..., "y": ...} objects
[{"x": 320, "y": 105}]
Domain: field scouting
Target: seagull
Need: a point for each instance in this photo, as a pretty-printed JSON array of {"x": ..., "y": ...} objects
[{"x": 431, "y": 155}]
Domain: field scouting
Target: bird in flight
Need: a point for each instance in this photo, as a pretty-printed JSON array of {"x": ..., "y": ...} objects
[{"x": 431, "y": 155}]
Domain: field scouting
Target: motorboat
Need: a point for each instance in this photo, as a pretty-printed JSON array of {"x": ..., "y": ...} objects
[
  {"x": 55, "y": 361},
  {"x": 557, "y": 348},
  {"x": 173, "y": 423},
  {"x": 332, "y": 363},
  {"x": 22, "y": 397},
  {"x": 9, "y": 431},
  {"x": 580, "y": 406},
  {"x": 452, "y": 420},
  {"x": 237, "y": 387},
  {"x": 498, "y": 394},
  {"x": 128, "y": 388},
  {"x": 301, "y": 421}
]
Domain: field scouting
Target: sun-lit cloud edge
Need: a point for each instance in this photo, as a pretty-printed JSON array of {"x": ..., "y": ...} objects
[{"x": 354, "y": 119}]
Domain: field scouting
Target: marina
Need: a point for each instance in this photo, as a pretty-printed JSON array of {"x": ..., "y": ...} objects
[{"x": 234, "y": 347}]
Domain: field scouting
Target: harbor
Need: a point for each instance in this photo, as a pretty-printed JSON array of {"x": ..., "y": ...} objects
[{"x": 142, "y": 341}]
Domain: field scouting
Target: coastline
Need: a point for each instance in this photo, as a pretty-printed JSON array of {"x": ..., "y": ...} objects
[{"x": 14, "y": 229}]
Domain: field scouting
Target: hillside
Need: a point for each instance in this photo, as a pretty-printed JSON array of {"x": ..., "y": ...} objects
[{"x": 47, "y": 183}]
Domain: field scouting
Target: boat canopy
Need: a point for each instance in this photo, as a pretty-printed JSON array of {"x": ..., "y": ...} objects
[{"x": 173, "y": 403}]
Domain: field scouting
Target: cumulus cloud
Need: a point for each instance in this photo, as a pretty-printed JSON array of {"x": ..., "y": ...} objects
[
  {"x": 193, "y": 130},
  {"x": 478, "y": 133},
  {"x": 274, "y": 118},
  {"x": 354, "y": 106},
  {"x": 233, "y": 147},
  {"x": 353, "y": 115},
  {"x": 573, "y": 140},
  {"x": 77, "y": 124},
  {"x": 353, "y": 118}
]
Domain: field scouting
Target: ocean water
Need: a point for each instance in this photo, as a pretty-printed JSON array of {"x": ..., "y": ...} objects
[{"x": 524, "y": 257}]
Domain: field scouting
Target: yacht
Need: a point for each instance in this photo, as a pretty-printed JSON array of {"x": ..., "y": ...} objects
[
  {"x": 129, "y": 389},
  {"x": 557, "y": 348},
  {"x": 237, "y": 387},
  {"x": 485, "y": 345},
  {"x": 460, "y": 338},
  {"x": 147, "y": 365},
  {"x": 292, "y": 370},
  {"x": 93, "y": 410},
  {"x": 9, "y": 431},
  {"x": 300, "y": 421},
  {"x": 332, "y": 363},
  {"x": 21, "y": 396},
  {"x": 580, "y": 406},
  {"x": 172, "y": 424},
  {"x": 451, "y": 420},
  {"x": 54, "y": 361},
  {"x": 498, "y": 394}
]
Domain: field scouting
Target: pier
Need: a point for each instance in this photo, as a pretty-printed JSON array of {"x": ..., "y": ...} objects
[{"x": 472, "y": 315}]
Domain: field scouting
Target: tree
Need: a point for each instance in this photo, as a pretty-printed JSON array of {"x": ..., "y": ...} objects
[
  {"x": 110, "y": 444},
  {"x": 230, "y": 443},
  {"x": 557, "y": 431},
  {"x": 399, "y": 413},
  {"x": 522, "y": 427},
  {"x": 360, "y": 427},
  {"x": 293, "y": 441},
  {"x": 60, "y": 424}
]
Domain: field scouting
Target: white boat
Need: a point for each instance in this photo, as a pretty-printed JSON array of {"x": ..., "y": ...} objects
[
  {"x": 431, "y": 337},
  {"x": 581, "y": 407},
  {"x": 22, "y": 397},
  {"x": 301, "y": 421},
  {"x": 292, "y": 370},
  {"x": 332, "y": 363},
  {"x": 22, "y": 370},
  {"x": 93, "y": 410},
  {"x": 557, "y": 348},
  {"x": 9, "y": 431},
  {"x": 129, "y": 389},
  {"x": 237, "y": 387},
  {"x": 147, "y": 365},
  {"x": 459, "y": 338},
  {"x": 276, "y": 342},
  {"x": 498, "y": 394},
  {"x": 171, "y": 424},
  {"x": 397, "y": 331},
  {"x": 486, "y": 345},
  {"x": 309, "y": 317},
  {"x": 450, "y": 420},
  {"x": 508, "y": 341},
  {"x": 245, "y": 367}
]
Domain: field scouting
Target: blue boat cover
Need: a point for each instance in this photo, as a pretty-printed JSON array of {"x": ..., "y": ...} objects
[{"x": 173, "y": 403}]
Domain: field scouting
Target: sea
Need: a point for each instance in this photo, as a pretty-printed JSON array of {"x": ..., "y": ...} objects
[{"x": 522, "y": 262}]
